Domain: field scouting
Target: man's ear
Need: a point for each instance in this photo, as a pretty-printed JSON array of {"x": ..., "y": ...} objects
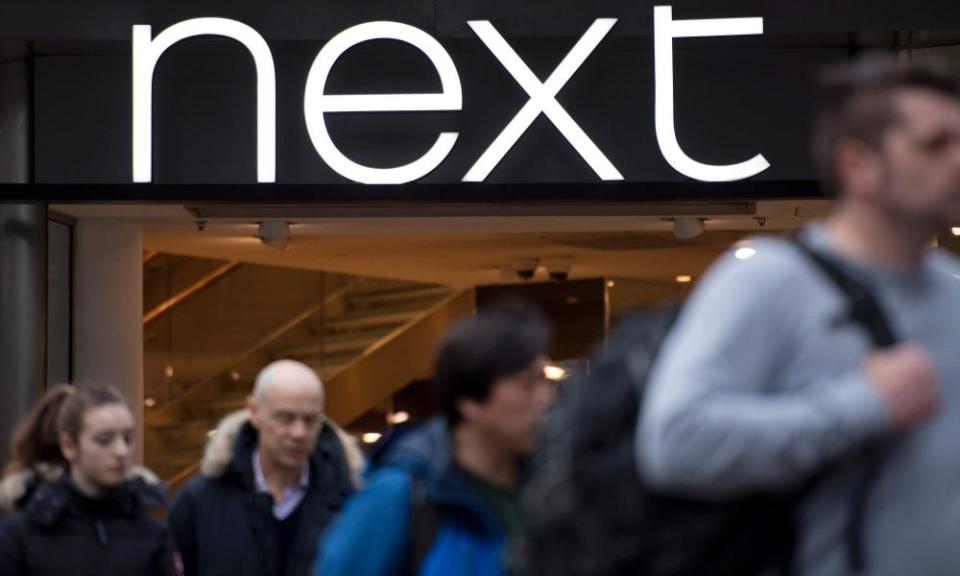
[
  {"x": 256, "y": 414},
  {"x": 859, "y": 168},
  {"x": 469, "y": 409}
]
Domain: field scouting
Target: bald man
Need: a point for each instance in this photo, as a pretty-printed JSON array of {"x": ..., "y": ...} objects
[{"x": 273, "y": 476}]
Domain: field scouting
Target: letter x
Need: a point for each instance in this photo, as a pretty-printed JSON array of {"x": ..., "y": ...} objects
[{"x": 542, "y": 100}]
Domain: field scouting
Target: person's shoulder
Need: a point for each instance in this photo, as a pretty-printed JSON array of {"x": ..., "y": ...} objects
[
  {"x": 382, "y": 504},
  {"x": 387, "y": 490},
  {"x": 197, "y": 489},
  {"x": 761, "y": 263},
  {"x": 390, "y": 481}
]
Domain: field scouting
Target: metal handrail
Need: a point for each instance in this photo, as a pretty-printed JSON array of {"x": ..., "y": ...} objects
[
  {"x": 262, "y": 343},
  {"x": 183, "y": 475},
  {"x": 342, "y": 393},
  {"x": 396, "y": 332},
  {"x": 188, "y": 292}
]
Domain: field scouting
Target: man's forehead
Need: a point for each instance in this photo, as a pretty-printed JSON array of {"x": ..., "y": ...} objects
[
  {"x": 928, "y": 110},
  {"x": 293, "y": 389},
  {"x": 305, "y": 404}
]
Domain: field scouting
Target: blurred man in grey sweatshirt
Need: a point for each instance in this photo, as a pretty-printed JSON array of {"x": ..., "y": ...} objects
[{"x": 765, "y": 380}]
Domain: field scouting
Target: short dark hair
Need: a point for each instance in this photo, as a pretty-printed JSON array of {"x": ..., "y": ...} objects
[
  {"x": 858, "y": 102},
  {"x": 498, "y": 341}
]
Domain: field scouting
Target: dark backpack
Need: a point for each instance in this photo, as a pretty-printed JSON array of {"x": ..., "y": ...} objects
[{"x": 589, "y": 513}]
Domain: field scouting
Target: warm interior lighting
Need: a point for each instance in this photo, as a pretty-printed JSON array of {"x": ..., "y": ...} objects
[
  {"x": 398, "y": 417},
  {"x": 684, "y": 279},
  {"x": 554, "y": 373},
  {"x": 371, "y": 437},
  {"x": 955, "y": 230},
  {"x": 150, "y": 402},
  {"x": 611, "y": 284}
]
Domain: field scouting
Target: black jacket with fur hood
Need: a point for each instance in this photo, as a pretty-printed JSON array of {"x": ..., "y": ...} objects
[
  {"x": 223, "y": 526},
  {"x": 52, "y": 529}
]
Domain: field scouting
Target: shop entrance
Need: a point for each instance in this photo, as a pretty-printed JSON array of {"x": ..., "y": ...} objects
[{"x": 363, "y": 296}]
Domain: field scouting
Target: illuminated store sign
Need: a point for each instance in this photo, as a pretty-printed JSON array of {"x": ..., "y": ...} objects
[{"x": 148, "y": 49}]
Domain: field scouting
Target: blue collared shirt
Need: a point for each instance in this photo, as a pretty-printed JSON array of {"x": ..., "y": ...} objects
[{"x": 292, "y": 496}]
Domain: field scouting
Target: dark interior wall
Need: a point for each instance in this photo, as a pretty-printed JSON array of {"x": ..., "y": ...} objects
[{"x": 576, "y": 309}]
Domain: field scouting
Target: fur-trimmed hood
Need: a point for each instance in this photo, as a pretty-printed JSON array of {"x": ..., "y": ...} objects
[
  {"x": 219, "y": 452},
  {"x": 15, "y": 486}
]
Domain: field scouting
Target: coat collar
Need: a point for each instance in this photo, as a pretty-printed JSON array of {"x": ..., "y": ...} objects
[
  {"x": 17, "y": 487},
  {"x": 229, "y": 451},
  {"x": 47, "y": 503}
]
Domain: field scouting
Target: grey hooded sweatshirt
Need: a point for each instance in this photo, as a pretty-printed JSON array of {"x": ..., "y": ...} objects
[{"x": 761, "y": 383}]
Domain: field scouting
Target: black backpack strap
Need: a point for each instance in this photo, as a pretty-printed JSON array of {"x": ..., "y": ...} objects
[
  {"x": 866, "y": 311},
  {"x": 425, "y": 520}
]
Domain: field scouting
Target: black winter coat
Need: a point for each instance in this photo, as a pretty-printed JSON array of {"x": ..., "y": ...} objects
[
  {"x": 61, "y": 532},
  {"x": 224, "y": 527}
]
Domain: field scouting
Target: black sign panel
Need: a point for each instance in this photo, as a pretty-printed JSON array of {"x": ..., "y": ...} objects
[
  {"x": 730, "y": 104},
  {"x": 109, "y": 20},
  {"x": 735, "y": 97}
]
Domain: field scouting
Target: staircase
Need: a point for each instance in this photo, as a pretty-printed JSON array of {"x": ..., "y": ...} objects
[
  {"x": 352, "y": 322},
  {"x": 370, "y": 316}
]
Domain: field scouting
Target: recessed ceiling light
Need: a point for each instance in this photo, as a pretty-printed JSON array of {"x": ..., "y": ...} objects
[
  {"x": 371, "y": 437},
  {"x": 611, "y": 284},
  {"x": 684, "y": 279}
]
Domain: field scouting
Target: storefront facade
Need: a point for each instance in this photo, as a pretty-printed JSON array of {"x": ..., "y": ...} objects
[{"x": 548, "y": 116}]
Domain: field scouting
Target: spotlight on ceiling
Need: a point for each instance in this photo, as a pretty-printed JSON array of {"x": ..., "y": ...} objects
[
  {"x": 274, "y": 233},
  {"x": 558, "y": 267},
  {"x": 526, "y": 268},
  {"x": 687, "y": 228}
]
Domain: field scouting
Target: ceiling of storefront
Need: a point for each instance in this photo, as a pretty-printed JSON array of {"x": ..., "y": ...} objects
[{"x": 460, "y": 250}]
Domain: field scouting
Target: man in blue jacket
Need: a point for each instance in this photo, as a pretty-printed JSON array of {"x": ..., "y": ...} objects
[{"x": 441, "y": 499}]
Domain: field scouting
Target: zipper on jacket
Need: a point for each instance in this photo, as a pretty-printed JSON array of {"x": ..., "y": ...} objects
[{"x": 101, "y": 533}]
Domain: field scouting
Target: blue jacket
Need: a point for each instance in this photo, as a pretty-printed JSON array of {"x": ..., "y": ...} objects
[{"x": 372, "y": 537}]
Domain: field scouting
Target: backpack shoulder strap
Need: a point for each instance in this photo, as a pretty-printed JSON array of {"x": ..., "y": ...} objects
[
  {"x": 425, "y": 520},
  {"x": 866, "y": 311}
]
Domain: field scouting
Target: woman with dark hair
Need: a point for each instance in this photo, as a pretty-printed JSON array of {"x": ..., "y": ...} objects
[
  {"x": 35, "y": 450},
  {"x": 77, "y": 503}
]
